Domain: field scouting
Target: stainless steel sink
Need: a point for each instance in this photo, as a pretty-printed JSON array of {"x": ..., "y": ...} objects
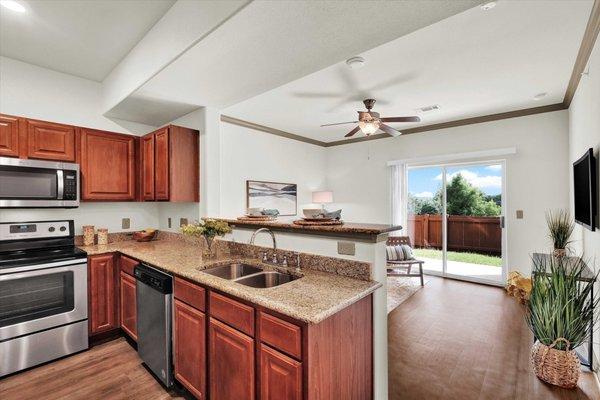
[
  {"x": 266, "y": 279},
  {"x": 232, "y": 271}
]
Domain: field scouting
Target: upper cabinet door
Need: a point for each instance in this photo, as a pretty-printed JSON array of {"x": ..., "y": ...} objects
[
  {"x": 148, "y": 167},
  {"x": 161, "y": 164},
  {"x": 50, "y": 141},
  {"x": 107, "y": 166},
  {"x": 9, "y": 136}
]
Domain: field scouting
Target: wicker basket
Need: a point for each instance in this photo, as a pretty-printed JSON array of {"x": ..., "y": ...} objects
[{"x": 557, "y": 367}]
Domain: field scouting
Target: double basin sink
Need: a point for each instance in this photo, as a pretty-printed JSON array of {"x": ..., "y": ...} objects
[{"x": 250, "y": 275}]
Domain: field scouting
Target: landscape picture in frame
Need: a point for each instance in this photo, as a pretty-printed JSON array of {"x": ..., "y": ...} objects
[{"x": 272, "y": 195}]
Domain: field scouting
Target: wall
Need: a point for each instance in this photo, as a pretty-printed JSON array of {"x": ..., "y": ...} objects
[
  {"x": 248, "y": 154},
  {"x": 30, "y": 91},
  {"x": 584, "y": 132},
  {"x": 537, "y": 176}
]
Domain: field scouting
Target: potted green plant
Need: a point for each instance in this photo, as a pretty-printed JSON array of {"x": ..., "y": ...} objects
[
  {"x": 560, "y": 312},
  {"x": 561, "y": 228},
  {"x": 208, "y": 228}
]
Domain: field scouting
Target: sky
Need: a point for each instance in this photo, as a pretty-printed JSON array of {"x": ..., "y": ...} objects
[{"x": 424, "y": 182}]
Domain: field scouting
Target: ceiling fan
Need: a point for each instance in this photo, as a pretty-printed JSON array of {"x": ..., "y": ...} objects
[{"x": 369, "y": 121}]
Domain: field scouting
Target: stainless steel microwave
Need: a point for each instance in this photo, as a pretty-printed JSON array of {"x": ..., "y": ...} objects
[{"x": 33, "y": 183}]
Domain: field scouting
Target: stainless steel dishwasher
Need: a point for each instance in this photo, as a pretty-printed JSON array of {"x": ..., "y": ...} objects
[{"x": 154, "y": 291}]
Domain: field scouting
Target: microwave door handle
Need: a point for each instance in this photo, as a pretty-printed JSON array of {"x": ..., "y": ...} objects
[{"x": 60, "y": 184}]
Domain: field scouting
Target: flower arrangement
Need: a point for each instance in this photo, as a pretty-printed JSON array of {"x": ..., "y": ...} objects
[{"x": 209, "y": 228}]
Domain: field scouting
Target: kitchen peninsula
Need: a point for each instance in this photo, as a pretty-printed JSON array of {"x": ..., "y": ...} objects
[{"x": 357, "y": 242}]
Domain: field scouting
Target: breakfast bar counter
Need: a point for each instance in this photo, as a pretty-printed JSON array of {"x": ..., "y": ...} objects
[{"x": 356, "y": 231}]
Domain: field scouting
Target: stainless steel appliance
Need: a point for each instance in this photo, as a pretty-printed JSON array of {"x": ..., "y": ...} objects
[
  {"x": 43, "y": 294},
  {"x": 154, "y": 291},
  {"x": 33, "y": 183}
]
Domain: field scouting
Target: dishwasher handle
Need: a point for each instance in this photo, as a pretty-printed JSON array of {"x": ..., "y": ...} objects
[{"x": 158, "y": 281}]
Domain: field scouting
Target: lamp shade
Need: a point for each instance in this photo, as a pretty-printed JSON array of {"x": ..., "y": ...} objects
[{"x": 322, "y": 197}]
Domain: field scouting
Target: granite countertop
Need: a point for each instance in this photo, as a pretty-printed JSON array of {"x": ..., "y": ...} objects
[
  {"x": 312, "y": 298},
  {"x": 370, "y": 232}
]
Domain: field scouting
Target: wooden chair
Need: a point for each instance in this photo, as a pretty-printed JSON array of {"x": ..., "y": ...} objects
[{"x": 393, "y": 266}]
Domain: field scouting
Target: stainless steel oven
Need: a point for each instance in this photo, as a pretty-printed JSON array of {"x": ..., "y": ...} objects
[
  {"x": 33, "y": 183},
  {"x": 43, "y": 294}
]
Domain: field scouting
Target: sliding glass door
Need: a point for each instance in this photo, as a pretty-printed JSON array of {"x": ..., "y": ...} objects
[{"x": 455, "y": 220}]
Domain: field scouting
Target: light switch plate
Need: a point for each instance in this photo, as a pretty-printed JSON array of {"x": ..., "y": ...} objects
[
  {"x": 346, "y": 248},
  {"x": 125, "y": 223},
  {"x": 169, "y": 222},
  {"x": 519, "y": 214},
  {"x": 183, "y": 221}
]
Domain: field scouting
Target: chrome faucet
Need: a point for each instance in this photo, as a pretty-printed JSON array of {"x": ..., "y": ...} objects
[{"x": 256, "y": 232}]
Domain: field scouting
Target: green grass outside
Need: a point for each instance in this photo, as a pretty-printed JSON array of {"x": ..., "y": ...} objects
[{"x": 473, "y": 258}]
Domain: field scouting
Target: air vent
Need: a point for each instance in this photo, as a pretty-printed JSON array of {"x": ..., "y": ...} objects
[{"x": 425, "y": 109}]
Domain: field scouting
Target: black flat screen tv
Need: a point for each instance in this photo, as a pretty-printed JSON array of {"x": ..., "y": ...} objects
[{"x": 585, "y": 190}]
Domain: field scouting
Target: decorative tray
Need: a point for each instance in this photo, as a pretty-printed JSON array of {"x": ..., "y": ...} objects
[
  {"x": 318, "y": 223},
  {"x": 257, "y": 218}
]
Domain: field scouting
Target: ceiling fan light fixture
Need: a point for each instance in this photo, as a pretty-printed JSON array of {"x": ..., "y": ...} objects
[
  {"x": 355, "y": 62},
  {"x": 369, "y": 127}
]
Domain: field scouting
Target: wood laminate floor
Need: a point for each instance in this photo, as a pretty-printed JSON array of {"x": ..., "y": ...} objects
[
  {"x": 111, "y": 370},
  {"x": 459, "y": 340}
]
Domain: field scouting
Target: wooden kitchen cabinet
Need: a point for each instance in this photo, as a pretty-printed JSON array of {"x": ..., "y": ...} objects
[
  {"x": 147, "y": 170},
  {"x": 128, "y": 308},
  {"x": 107, "y": 166},
  {"x": 189, "y": 339},
  {"x": 280, "y": 375},
  {"x": 170, "y": 165},
  {"x": 50, "y": 141},
  {"x": 231, "y": 361},
  {"x": 9, "y": 136},
  {"x": 103, "y": 293}
]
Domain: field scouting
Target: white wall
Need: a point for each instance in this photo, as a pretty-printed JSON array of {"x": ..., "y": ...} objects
[
  {"x": 247, "y": 154},
  {"x": 537, "y": 177},
  {"x": 30, "y": 91},
  {"x": 584, "y": 132}
]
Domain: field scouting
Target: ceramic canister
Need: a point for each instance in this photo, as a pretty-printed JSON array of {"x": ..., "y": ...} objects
[
  {"x": 102, "y": 236},
  {"x": 88, "y": 235}
]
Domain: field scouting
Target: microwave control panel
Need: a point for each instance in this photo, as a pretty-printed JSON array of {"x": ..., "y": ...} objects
[{"x": 70, "y": 185}]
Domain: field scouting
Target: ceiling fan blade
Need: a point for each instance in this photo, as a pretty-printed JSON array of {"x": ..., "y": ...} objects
[
  {"x": 401, "y": 119},
  {"x": 340, "y": 123},
  {"x": 389, "y": 130},
  {"x": 352, "y": 132}
]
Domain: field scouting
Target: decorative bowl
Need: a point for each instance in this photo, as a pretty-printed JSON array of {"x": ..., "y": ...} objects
[
  {"x": 254, "y": 211},
  {"x": 312, "y": 212},
  {"x": 143, "y": 236}
]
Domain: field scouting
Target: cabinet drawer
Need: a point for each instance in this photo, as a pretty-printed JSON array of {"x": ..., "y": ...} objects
[
  {"x": 281, "y": 334},
  {"x": 127, "y": 264},
  {"x": 232, "y": 312},
  {"x": 190, "y": 293}
]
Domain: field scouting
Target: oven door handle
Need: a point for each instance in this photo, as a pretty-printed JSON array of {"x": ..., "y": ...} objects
[
  {"x": 26, "y": 268},
  {"x": 60, "y": 184},
  {"x": 39, "y": 272}
]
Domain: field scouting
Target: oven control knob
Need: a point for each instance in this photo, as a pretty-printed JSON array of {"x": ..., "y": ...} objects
[
  {"x": 51, "y": 229},
  {"x": 63, "y": 228}
]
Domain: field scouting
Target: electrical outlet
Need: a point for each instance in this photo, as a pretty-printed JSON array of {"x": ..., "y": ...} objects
[
  {"x": 169, "y": 222},
  {"x": 125, "y": 223},
  {"x": 519, "y": 214},
  {"x": 183, "y": 221},
  {"x": 347, "y": 248}
]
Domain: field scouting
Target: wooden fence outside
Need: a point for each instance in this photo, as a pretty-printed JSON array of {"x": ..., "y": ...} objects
[{"x": 465, "y": 233}]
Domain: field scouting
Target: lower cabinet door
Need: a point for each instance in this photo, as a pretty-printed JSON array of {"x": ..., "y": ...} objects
[
  {"x": 231, "y": 360},
  {"x": 128, "y": 306},
  {"x": 103, "y": 293},
  {"x": 280, "y": 375},
  {"x": 190, "y": 348}
]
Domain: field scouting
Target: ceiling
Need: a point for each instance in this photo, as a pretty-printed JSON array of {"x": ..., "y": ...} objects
[
  {"x": 268, "y": 44},
  {"x": 471, "y": 64},
  {"x": 71, "y": 36}
]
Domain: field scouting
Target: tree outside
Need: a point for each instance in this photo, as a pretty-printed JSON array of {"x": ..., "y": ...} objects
[{"x": 462, "y": 199}]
